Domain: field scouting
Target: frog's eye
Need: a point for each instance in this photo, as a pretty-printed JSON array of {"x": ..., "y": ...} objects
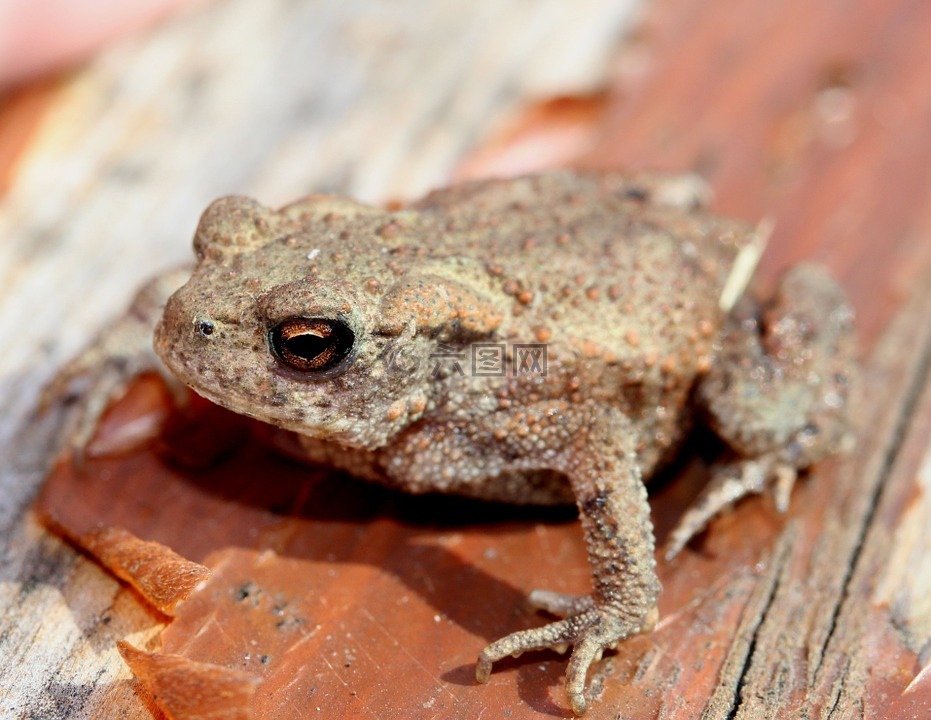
[{"x": 311, "y": 345}]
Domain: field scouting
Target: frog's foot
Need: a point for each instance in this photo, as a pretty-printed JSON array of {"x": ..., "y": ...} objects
[
  {"x": 729, "y": 483},
  {"x": 591, "y": 630}
]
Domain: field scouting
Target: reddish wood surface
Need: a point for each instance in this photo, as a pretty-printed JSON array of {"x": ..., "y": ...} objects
[
  {"x": 366, "y": 603},
  {"x": 20, "y": 113}
]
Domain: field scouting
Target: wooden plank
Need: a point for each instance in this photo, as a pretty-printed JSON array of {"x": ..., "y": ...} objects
[
  {"x": 828, "y": 141},
  {"x": 830, "y": 146},
  {"x": 105, "y": 171},
  {"x": 815, "y": 116}
]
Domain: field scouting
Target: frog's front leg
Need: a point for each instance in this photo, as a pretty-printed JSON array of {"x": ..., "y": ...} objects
[
  {"x": 593, "y": 446},
  {"x": 101, "y": 374},
  {"x": 778, "y": 394}
]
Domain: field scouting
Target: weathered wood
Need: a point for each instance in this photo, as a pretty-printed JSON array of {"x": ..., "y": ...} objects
[
  {"x": 816, "y": 116},
  {"x": 832, "y": 146},
  {"x": 105, "y": 171}
]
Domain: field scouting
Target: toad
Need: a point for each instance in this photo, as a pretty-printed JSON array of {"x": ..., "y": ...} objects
[{"x": 542, "y": 340}]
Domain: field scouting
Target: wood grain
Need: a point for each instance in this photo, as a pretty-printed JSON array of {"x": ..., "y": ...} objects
[
  {"x": 813, "y": 115},
  {"x": 828, "y": 139},
  {"x": 106, "y": 170}
]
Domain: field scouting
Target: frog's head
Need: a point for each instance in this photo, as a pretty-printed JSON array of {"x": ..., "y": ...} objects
[{"x": 314, "y": 320}]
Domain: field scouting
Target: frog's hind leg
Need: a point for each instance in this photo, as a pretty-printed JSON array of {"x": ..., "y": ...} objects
[{"x": 778, "y": 394}]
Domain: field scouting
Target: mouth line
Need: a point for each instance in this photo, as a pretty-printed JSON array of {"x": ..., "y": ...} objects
[
  {"x": 229, "y": 402},
  {"x": 220, "y": 401}
]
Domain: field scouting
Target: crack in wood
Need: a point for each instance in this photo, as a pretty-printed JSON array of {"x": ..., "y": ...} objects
[
  {"x": 910, "y": 402},
  {"x": 725, "y": 700},
  {"x": 836, "y": 691},
  {"x": 752, "y": 676},
  {"x": 915, "y": 372}
]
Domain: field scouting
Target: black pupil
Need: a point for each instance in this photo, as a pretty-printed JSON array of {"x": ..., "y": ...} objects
[
  {"x": 307, "y": 346},
  {"x": 311, "y": 344}
]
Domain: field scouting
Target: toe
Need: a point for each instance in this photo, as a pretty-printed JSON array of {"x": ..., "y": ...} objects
[
  {"x": 560, "y": 604},
  {"x": 586, "y": 652},
  {"x": 548, "y": 636}
]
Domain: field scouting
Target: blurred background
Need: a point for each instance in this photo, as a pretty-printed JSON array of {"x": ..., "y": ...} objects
[{"x": 121, "y": 121}]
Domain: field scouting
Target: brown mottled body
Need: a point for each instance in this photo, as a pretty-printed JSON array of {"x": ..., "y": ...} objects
[{"x": 354, "y": 328}]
